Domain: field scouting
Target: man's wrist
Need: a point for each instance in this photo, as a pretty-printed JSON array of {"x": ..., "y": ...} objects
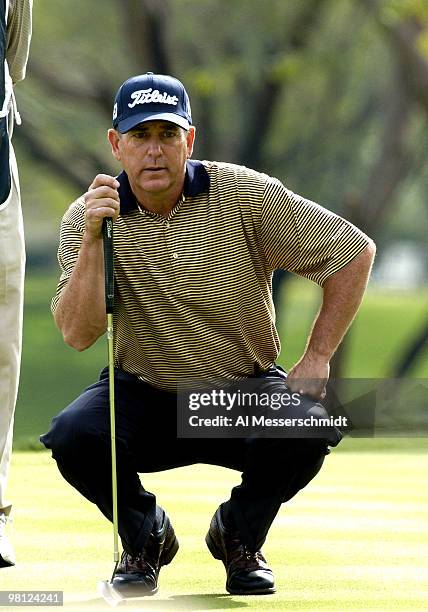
[
  {"x": 90, "y": 239},
  {"x": 319, "y": 354}
]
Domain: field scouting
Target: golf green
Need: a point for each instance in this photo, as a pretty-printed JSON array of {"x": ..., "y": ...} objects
[{"x": 355, "y": 539}]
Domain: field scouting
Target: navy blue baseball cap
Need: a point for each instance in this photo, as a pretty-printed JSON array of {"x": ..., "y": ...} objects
[{"x": 149, "y": 97}]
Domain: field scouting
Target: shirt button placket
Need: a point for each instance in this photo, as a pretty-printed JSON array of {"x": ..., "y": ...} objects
[{"x": 167, "y": 226}]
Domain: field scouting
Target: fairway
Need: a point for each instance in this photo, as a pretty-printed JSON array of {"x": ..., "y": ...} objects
[{"x": 355, "y": 539}]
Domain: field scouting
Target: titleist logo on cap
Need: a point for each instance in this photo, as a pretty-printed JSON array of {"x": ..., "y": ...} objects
[{"x": 147, "y": 96}]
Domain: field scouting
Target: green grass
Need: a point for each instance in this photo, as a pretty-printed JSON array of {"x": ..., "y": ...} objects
[
  {"x": 385, "y": 323},
  {"x": 54, "y": 374},
  {"x": 355, "y": 539}
]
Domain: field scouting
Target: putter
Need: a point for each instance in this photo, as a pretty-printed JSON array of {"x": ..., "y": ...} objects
[{"x": 105, "y": 587}]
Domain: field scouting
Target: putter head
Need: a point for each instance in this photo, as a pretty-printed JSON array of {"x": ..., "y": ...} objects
[{"x": 109, "y": 593}]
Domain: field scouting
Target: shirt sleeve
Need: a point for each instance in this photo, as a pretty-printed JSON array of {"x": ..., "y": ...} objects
[
  {"x": 301, "y": 236},
  {"x": 19, "y": 28},
  {"x": 71, "y": 234}
]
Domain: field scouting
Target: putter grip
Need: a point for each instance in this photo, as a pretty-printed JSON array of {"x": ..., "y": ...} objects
[{"x": 108, "y": 263}]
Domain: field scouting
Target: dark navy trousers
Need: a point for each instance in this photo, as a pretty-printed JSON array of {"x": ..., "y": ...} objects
[{"x": 272, "y": 470}]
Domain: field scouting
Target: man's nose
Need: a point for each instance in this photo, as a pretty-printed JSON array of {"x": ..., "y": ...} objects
[{"x": 155, "y": 147}]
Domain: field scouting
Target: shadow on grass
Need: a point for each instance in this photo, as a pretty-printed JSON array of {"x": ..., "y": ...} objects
[{"x": 209, "y": 601}]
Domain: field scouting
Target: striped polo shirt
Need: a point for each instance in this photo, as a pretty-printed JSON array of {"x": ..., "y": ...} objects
[
  {"x": 193, "y": 289},
  {"x": 19, "y": 26}
]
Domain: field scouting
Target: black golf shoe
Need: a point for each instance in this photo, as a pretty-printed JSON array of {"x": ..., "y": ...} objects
[
  {"x": 247, "y": 571},
  {"x": 138, "y": 576}
]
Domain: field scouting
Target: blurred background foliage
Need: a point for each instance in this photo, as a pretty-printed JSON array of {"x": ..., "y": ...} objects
[{"x": 330, "y": 96}]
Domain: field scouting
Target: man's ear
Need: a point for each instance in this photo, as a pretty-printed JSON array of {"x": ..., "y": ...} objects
[
  {"x": 113, "y": 138},
  {"x": 190, "y": 138}
]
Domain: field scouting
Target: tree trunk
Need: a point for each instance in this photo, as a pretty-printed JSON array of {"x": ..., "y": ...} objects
[
  {"x": 270, "y": 89},
  {"x": 146, "y": 25},
  {"x": 414, "y": 351},
  {"x": 367, "y": 209}
]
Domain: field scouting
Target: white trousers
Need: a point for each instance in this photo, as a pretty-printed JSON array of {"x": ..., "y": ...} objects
[{"x": 12, "y": 267}]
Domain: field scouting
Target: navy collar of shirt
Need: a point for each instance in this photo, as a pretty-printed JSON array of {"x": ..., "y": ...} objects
[{"x": 196, "y": 181}]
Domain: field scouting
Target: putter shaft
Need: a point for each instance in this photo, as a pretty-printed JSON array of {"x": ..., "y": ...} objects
[{"x": 113, "y": 439}]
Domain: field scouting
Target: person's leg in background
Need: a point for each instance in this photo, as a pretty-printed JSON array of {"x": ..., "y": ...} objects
[{"x": 12, "y": 268}]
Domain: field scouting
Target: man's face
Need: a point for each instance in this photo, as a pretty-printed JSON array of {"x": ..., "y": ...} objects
[{"x": 153, "y": 155}]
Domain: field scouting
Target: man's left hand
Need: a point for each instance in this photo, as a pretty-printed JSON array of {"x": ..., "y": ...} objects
[{"x": 309, "y": 376}]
